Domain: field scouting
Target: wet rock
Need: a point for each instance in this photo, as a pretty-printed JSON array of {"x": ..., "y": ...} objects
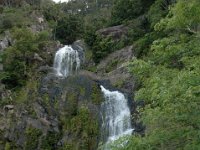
[
  {"x": 46, "y": 69},
  {"x": 139, "y": 128},
  {"x": 48, "y": 52},
  {"x": 140, "y": 103},
  {"x": 79, "y": 45}
]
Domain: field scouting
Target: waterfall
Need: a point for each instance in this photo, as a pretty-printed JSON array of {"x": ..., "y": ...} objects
[
  {"x": 66, "y": 61},
  {"x": 116, "y": 116}
]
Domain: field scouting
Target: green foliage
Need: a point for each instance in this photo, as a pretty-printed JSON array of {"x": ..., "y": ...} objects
[
  {"x": 171, "y": 116},
  {"x": 142, "y": 45},
  {"x": 185, "y": 15},
  {"x": 49, "y": 142},
  {"x": 17, "y": 59},
  {"x": 138, "y": 27},
  {"x": 69, "y": 29},
  {"x": 27, "y": 94},
  {"x": 169, "y": 74},
  {"x": 158, "y": 10},
  {"x": 7, "y": 146},
  {"x": 14, "y": 17},
  {"x": 52, "y": 12},
  {"x": 32, "y": 138},
  {"x": 82, "y": 122},
  {"x": 72, "y": 103},
  {"x": 98, "y": 20},
  {"x": 104, "y": 46},
  {"x": 1, "y": 9},
  {"x": 101, "y": 48},
  {"x": 94, "y": 22},
  {"x": 182, "y": 16},
  {"x": 85, "y": 128},
  {"x": 18, "y": 3},
  {"x": 90, "y": 36},
  {"x": 119, "y": 84},
  {"x": 170, "y": 51},
  {"x": 111, "y": 66},
  {"x": 123, "y": 11},
  {"x": 67, "y": 146},
  {"x": 171, "y": 96},
  {"x": 7, "y": 23},
  {"x": 96, "y": 95},
  {"x": 126, "y": 10}
]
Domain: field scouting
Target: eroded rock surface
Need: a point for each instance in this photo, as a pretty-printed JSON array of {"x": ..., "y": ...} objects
[
  {"x": 5, "y": 41},
  {"x": 115, "y": 32}
]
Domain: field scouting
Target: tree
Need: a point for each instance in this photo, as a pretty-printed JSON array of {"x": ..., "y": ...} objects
[
  {"x": 158, "y": 10},
  {"x": 183, "y": 16},
  {"x": 125, "y": 10},
  {"x": 129, "y": 9},
  {"x": 68, "y": 29},
  {"x": 17, "y": 59}
]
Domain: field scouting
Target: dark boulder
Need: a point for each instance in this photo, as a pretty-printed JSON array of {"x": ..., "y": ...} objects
[{"x": 115, "y": 32}]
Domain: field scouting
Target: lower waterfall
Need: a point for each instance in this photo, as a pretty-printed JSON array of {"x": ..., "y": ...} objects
[
  {"x": 116, "y": 116},
  {"x": 66, "y": 61}
]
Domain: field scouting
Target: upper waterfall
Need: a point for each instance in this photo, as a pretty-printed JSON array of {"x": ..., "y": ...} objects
[
  {"x": 116, "y": 116},
  {"x": 66, "y": 61}
]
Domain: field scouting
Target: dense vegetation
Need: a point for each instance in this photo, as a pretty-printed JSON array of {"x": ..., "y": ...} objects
[
  {"x": 166, "y": 39},
  {"x": 168, "y": 68}
]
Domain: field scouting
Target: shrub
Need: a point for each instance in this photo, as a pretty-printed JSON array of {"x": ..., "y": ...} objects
[
  {"x": 7, "y": 23},
  {"x": 32, "y": 138}
]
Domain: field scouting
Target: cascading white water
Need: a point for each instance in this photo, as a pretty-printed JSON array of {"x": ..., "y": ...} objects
[
  {"x": 116, "y": 115},
  {"x": 66, "y": 61}
]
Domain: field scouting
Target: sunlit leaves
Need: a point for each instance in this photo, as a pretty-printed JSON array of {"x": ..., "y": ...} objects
[
  {"x": 184, "y": 16},
  {"x": 171, "y": 82}
]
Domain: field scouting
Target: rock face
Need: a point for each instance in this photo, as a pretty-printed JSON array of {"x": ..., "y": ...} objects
[
  {"x": 115, "y": 32},
  {"x": 46, "y": 56},
  {"x": 39, "y": 23},
  {"x": 54, "y": 110},
  {"x": 115, "y": 60},
  {"x": 80, "y": 46},
  {"x": 5, "y": 41},
  {"x": 115, "y": 69}
]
